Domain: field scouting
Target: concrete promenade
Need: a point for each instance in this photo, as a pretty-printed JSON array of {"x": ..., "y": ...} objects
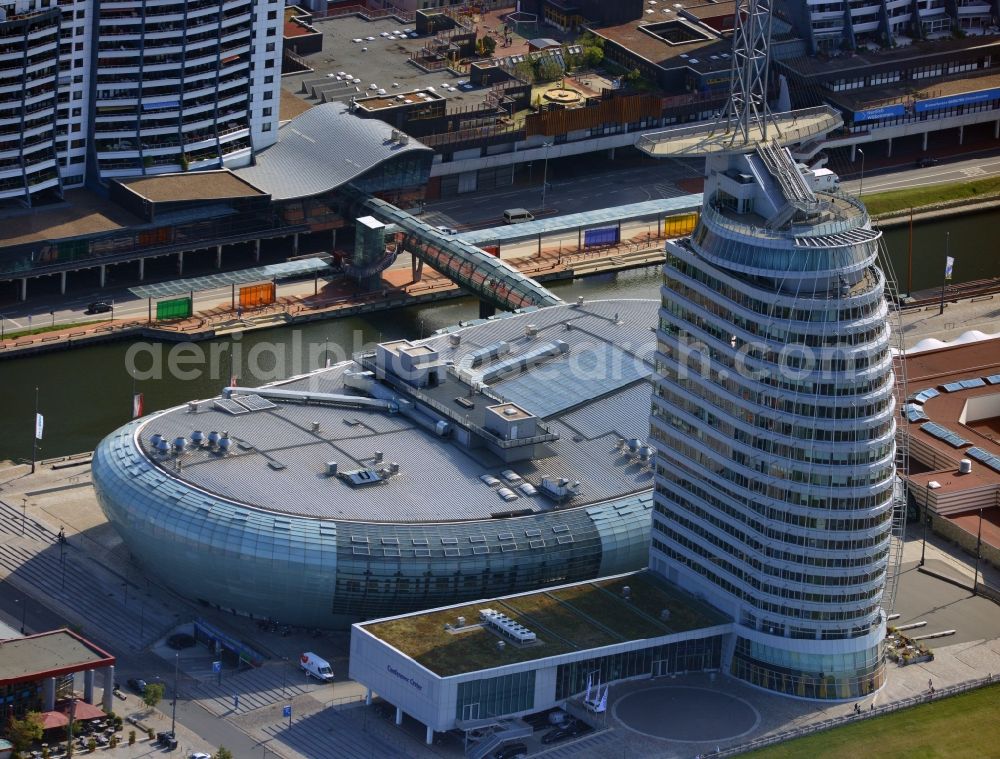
[{"x": 301, "y": 302}]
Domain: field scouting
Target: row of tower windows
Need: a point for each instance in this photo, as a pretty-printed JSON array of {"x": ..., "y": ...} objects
[
  {"x": 770, "y": 330},
  {"x": 749, "y": 570},
  {"x": 776, "y": 310},
  {"x": 834, "y": 456},
  {"x": 776, "y": 552},
  {"x": 778, "y": 426},
  {"x": 794, "y": 612}
]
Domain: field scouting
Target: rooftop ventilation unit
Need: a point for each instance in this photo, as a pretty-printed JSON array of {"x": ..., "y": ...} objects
[
  {"x": 163, "y": 447},
  {"x": 224, "y": 444},
  {"x": 530, "y": 330},
  {"x": 331, "y": 468},
  {"x": 395, "y": 135},
  {"x": 360, "y": 478},
  {"x": 504, "y": 625},
  {"x": 560, "y": 489},
  {"x": 197, "y": 438},
  {"x": 965, "y": 466},
  {"x": 179, "y": 443},
  {"x": 192, "y": 407},
  {"x": 155, "y": 440},
  {"x": 213, "y": 438},
  {"x": 455, "y": 339}
]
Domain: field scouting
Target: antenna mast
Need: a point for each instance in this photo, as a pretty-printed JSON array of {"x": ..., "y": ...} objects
[{"x": 747, "y": 114}]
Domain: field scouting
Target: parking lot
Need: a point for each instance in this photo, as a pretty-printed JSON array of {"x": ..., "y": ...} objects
[{"x": 376, "y": 59}]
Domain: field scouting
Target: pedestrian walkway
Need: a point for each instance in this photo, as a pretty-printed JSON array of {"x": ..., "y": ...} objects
[
  {"x": 257, "y": 688},
  {"x": 68, "y": 580}
]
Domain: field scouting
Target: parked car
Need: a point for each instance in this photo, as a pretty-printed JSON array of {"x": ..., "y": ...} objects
[
  {"x": 99, "y": 307},
  {"x": 923, "y": 163},
  {"x": 177, "y": 641},
  {"x": 511, "y": 751},
  {"x": 570, "y": 729},
  {"x": 139, "y": 686}
]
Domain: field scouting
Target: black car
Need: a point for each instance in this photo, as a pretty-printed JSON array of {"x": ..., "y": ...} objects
[
  {"x": 99, "y": 307},
  {"x": 177, "y": 641},
  {"x": 139, "y": 686},
  {"x": 923, "y": 163},
  {"x": 569, "y": 730},
  {"x": 511, "y": 751}
]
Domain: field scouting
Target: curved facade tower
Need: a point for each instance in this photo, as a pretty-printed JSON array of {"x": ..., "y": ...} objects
[{"x": 773, "y": 417}]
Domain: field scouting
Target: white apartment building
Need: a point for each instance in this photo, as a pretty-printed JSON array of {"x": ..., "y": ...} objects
[{"x": 92, "y": 89}]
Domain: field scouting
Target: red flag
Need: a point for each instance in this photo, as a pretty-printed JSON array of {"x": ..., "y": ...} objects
[{"x": 137, "y": 405}]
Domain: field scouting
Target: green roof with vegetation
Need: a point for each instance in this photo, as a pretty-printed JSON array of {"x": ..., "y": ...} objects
[{"x": 565, "y": 619}]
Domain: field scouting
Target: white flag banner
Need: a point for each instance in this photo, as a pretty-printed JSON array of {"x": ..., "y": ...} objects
[
  {"x": 587, "y": 696},
  {"x": 604, "y": 701},
  {"x": 949, "y": 264},
  {"x": 39, "y": 426}
]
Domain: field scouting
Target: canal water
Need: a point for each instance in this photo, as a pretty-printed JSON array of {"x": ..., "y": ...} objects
[{"x": 85, "y": 394}]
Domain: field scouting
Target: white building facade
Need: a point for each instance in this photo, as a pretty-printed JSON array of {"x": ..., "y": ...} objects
[
  {"x": 134, "y": 88},
  {"x": 773, "y": 418}
]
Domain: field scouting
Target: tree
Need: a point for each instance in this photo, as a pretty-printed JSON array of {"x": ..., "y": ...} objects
[
  {"x": 23, "y": 732},
  {"x": 223, "y": 753},
  {"x": 525, "y": 72},
  {"x": 153, "y": 694},
  {"x": 549, "y": 70},
  {"x": 486, "y": 46}
]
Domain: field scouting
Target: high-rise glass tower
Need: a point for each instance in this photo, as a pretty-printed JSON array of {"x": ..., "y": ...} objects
[{"x": 773, "y": 417}]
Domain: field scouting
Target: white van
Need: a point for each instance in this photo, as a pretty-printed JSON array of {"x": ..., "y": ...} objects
[
  {"x": 517, "y": 216},
  {"x": 316, "y": 666}
]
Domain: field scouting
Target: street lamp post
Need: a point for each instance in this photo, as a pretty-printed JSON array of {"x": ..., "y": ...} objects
[
  {"x": 173, "y": 710},
  {"x": 545, "y": 172},
  {"x": 926, "y": 517},
  {"x": 861, "y": 185},
  {"x": 979, "y": 553}
]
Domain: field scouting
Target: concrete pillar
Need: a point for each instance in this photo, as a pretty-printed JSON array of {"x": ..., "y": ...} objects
[
  {"x": 996, "y": 129},
  {"x": 108, "y": 700},
  {"x": 611, "y": 154},
  {"x": 104, "y": 274},
  {"x": 429, "y": 740},
  {"x": 142, "y": 269},
  {"x": 256, "y": 250},
  {"x": 62, "y": 283},
  {"x": 48, "y": 694},
  {"x": 333, "y": 240},
  {"x": 24, "y": 288},
  {"x": 925, "y": 139},
  {"x": 368, "y": 697},
  {"x": 889, "y": 151},
  {"x": 88, "y": 686},
  {"x": 854, "y": 150},
  {"x": 399, "y": 713},
  {"x": 180, "y": 262},
  {"x": 961, "y": 134},
  {"x": 295, "y": 244},
  {"x": 218, "y": 256}
]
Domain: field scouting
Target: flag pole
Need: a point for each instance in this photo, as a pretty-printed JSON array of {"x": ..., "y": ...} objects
[
  {"x": 34, "y": 434},
  {"x": 944, "y": 279}
]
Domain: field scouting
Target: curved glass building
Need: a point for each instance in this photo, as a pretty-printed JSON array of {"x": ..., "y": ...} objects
[
  {"x": 773, "y": 420},
  {"x": 503, "y": 457}
]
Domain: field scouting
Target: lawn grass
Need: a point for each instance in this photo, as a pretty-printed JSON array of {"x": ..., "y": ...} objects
[
  {"x": 960, "y": 727},
  {"x": 916, "y": 197},
  {"x": 42, "y": 330}
]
